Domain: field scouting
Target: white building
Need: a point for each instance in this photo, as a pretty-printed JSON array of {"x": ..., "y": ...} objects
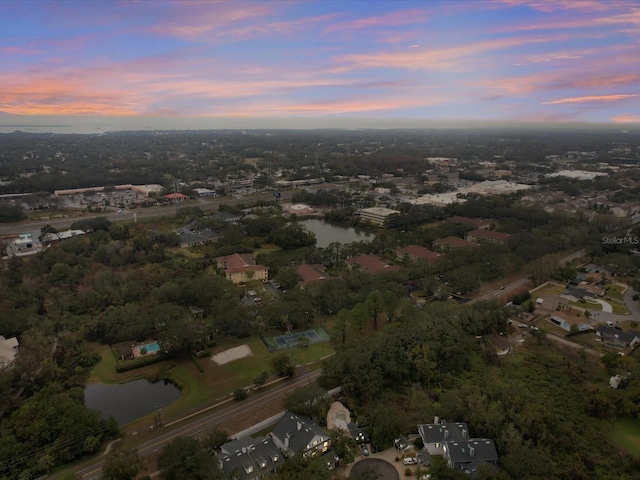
[
  {"x": 24, "y": 245},
  {"x": 8, "y": 351},
  {"x": 377, "y": 215}
]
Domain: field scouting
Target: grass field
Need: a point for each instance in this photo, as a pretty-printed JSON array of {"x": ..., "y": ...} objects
[
  {"x": 626, "y": 434},
  {"x": 619, "y": 308},
  {"x": 215, "y": 382},
  {"x": 547, "y": 290},
  {"x": 614, "y": 292}
]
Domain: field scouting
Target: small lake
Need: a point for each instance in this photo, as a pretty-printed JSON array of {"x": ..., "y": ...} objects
[
  {"x": 327, "y": 233},
  {"x": 129, "y": 401}
]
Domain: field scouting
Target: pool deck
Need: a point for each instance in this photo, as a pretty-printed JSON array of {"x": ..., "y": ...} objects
[
  {"x": 335, "y": 420},
  {"x": 135, "y": 350}
]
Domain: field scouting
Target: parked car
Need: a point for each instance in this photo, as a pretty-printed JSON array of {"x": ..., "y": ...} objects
[
  {"x": 410, "y": 461},
  {"x": 365, "y": 451}
]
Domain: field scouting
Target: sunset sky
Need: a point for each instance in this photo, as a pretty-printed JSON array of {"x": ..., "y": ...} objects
[{"x": 321, "y": 63}]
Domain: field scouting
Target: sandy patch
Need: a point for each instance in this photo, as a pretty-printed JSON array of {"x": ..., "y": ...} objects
[{"x": 232, "y": 354}]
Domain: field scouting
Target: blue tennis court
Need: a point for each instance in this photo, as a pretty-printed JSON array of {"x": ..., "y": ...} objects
[{"x": 296, "y": 339}]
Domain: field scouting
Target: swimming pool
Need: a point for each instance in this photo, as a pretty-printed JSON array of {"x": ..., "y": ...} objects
[{"x": 151, "y": 347}]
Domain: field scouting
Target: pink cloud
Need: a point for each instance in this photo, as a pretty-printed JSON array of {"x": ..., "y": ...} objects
[
  {"x": 331, "y": 107},
  {"x": 591, "y": 99},
  {"x": 437, "y": 59},
  {"x": 391, "y": 19},
  {"x": 557, "y": 5},
  {"x": 206, "y": 19},
  {"x": 626, "y": 118}
]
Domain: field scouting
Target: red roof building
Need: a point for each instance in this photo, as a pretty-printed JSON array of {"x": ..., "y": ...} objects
[
  {"x": 176, "y": 196},
  {"x": 371, "y": 264},
  {"x": 453, "y": 242},
  {"x": 242, "y": 268},
  {"x": 311, "y": 273}
]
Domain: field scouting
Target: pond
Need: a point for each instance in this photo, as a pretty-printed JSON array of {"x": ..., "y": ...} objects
[
  {"x": 327, "y": 233},
  {"x": 126, "y": 402}
]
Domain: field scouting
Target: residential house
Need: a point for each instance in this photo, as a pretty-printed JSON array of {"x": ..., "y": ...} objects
[
  {"x": 249, "y": 458},
  {"x": 242, "y": 268},
  {"x": 371, "y": 264},
  {"x": 435, "y": 435},
  {"x": 488, "y": 236},
  {"x": 299, "y": 434},
  {"x": 612, "y": 337},
  {"x": 418, "y": 252},
  {"x": 359, "y": 434},
  {"x": 311, "y": 274},
  {"x": 560, "y": 322},
  {"x": 447, "y": 243},
  {"x": 469, "y": 455},
  {"x": 452, "y": 441},
  {"x": 402, "y": 443},
  {"x": 8, "y": 351}
]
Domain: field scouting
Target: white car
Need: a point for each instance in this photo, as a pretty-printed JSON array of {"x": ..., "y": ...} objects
[{"x": 410, "y": 461}]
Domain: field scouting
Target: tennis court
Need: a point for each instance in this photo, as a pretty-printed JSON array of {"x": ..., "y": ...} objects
[{"x": 296, "y": 339}]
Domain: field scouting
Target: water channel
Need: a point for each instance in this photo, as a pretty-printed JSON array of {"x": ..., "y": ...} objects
[
  {"x": 126, "y": 402},
  {"x": 327, "y": 233}
]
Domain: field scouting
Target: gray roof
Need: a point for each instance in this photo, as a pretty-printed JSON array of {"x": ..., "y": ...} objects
[
  {"x": 619, "y": 335},
  {"x": 402, "y": 442},
  {"x": 443, "y": 432},
  {"x": 226, "y": 216},
  {"x": 470, "y": 454},
  {"x": 299, "y": 429},
  {"x": 250, "y": 457},
  {"x": 578, "y": 293},
  {"x": 235, "y": 446},
  {"x": 358, "y": 433}
]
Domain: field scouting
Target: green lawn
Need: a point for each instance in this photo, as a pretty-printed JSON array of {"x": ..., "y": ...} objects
[
  {"x": 626, "y": 434},
  {"x": 547, "y": 290},
  {"x": 619, "y": 308},
  {"x": 592, "y": 306},
  {"x": 215, "y": 382},
  {"x": 614, "y": 292}
]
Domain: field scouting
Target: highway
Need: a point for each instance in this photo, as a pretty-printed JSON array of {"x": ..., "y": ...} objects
[
  {"x": 193, "y": 426},
  {"x": 117, "y": 215}
]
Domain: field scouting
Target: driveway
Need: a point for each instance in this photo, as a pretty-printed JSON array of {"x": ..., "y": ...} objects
[
  {"x": 631, "y": 304},
  {"x": 388, "y": 456}
]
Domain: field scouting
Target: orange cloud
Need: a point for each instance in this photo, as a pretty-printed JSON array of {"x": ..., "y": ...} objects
[
  {"x": 591, "y": 99},
  {"x": 626, "y": 118}
]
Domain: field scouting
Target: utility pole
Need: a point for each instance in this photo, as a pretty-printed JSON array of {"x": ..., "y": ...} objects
[{"x": 175, "y": 199}]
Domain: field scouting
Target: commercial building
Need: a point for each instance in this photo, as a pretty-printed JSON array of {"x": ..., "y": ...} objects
[{"x": 377, "y": 215}]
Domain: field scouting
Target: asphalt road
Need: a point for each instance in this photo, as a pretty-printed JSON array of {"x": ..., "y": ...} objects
[
  {"x": 524, "y": 280},
  {"x": 60, "y": 224},
  {"x": 91, "y": 470}
]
